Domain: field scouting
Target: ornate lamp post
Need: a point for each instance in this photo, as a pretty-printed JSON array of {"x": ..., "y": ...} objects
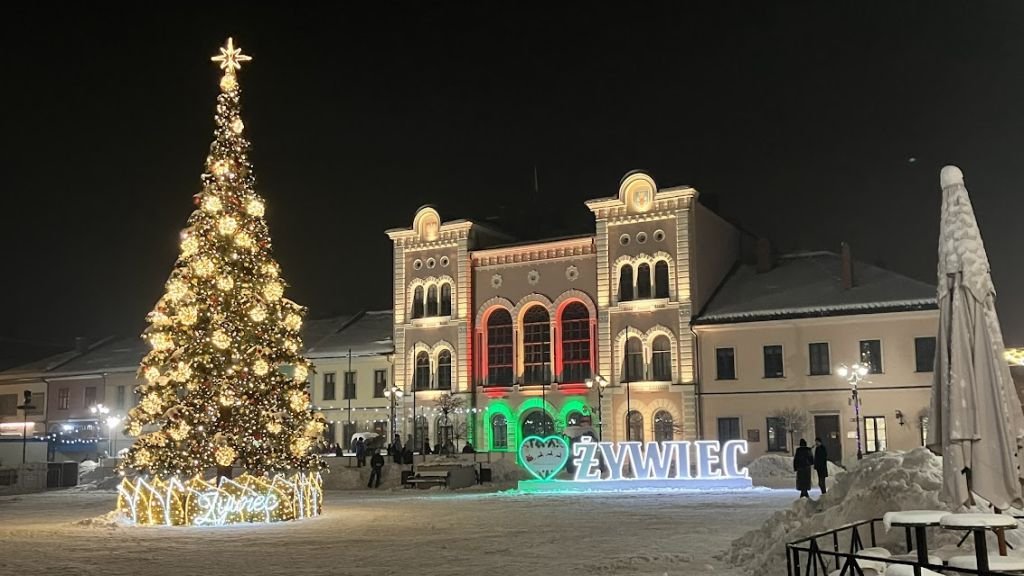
[
  {"x": 104, "y": 417},
  {"x": 394, "y": 394},
  {"x": 602, "y": 383},
  {"x": 854, "y": 374}
]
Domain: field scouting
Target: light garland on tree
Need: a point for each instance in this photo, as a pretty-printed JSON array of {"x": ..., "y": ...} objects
[{"x": 224, "y": 384}]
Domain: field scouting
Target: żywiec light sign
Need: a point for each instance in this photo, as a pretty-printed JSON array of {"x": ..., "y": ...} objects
[{"x": 698, "y": 465}]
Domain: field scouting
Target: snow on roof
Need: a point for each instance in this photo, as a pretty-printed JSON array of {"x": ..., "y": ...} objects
[
  {"x": 369, "y": 334},
  {"x": 313, "y": 331},
  {"x": 809, "y": 284},
  {"x": 38, "y": 367},
  {"x": 113, "y": 355}
]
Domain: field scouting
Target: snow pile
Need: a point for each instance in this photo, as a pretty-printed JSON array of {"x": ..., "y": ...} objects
[
  {"x": 97, "y": 477},
  {"x": 110, "y": 520},
  {"x": 87, "y": 466},
  {"x": 780, "y": 466},
  {"x": 878, "y": 484}
]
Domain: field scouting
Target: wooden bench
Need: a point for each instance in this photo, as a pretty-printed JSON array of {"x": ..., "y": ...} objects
[{"x": 428, "y": 478}]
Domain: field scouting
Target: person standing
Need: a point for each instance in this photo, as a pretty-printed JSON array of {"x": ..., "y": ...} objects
[
  {"x": 396, "y": 449},
  {"x": 376, "y": 465},
  {"x": 820, "y": 463},
  {"x": 803, "y": 462},
  {"x": 360, "y": 452}
]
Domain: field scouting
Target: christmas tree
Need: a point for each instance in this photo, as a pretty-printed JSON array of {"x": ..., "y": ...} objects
[{"x": 224, "y": 384}]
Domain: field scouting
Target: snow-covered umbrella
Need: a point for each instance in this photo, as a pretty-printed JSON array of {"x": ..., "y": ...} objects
[{"x": 976, "y": 420}]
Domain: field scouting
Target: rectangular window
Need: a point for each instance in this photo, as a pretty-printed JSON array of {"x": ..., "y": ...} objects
[
  {"x": 924, "y": 353},
  {"x": 350, "y": 385},
  {"x": 9, "y": 404},
  {"x": 575, "y": 344},
  {"x": 871, "y": 354},
  {"x": 725, "y": 360},
  {"x": 874, "y": 434},
  {"x": 728, "y": 429},
  {"x": 63, "y": 398},
  {"x": 820, "y": 362},
  {"x": 90, "y": 396},
  {"x": 776, "y": 435},
  {"x": 329, "y": 392},
  {"x": 119, "y": 399},
  {"x": 773, "y": 361},
  {"x": 380, "y": 383}
]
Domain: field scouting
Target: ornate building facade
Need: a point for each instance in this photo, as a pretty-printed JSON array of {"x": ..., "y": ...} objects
[{"x": 591, "y": 330}]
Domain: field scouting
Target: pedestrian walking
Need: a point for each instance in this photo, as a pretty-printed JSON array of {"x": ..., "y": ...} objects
[
  {"x": 803, "y": 462},
  {"x": 820, "y": 463}
]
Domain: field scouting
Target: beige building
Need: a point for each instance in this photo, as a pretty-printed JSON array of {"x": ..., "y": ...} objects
[
  {"x": 774, "y": 335},
  {"x": 352, "y": 374},
  {"x": 520, "y": 330}
]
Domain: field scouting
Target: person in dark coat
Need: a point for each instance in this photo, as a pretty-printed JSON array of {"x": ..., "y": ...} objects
[
  {"x": 803, "y": 462},
  {"x": 376, "y": 465},
  {"x": 426, "y": 447},
  {"x": 468, "y": 448},
  {"x": 396, "y": 449},
  {"x": 360, "y": 452},
  {"x": 820, "y": 463}
]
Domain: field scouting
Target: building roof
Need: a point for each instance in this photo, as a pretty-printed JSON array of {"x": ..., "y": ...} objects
[
  {"x": 368, "y": 334},
  {"x": 19, "y": 352},
  {"x": 313, "y": 331},
  {"x": 809, "y": 285},
  {"x": 112, "y": 355}
]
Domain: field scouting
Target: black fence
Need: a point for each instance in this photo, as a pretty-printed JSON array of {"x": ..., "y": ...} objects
[{"x": 821, "y": 554}]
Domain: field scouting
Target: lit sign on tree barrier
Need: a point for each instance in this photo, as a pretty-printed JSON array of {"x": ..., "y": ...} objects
[{"x": 699, "y": 465}]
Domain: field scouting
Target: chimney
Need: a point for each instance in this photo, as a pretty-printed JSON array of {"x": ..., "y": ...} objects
[
  {"x": 846, "y": 267},
  {"x": 764, "y": 255},
  {"x": 81, "y": 344}
]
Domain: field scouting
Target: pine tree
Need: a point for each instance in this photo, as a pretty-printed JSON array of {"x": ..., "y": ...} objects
[{"x": 224, "y": 383}]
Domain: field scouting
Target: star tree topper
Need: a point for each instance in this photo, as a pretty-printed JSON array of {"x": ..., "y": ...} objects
[{"x": 231, "y": 58}]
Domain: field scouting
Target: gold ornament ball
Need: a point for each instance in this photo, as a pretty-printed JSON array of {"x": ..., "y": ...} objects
[
  {"x": 222, "y": 168},
  {"x": 274, "y": 427},
  {"x": 188, "y": 315},
  {"x": 270, "y": 269},
  {"x": 258, "y": 314},
  {"x": 301, "y": 373},
  {"x": 134, "y": 429},
  {"x": 151, "y": 403},
  {"x": 225, "y": 283},
  {"x": 179, "y": 432},
  {"x": 297, "y": 400},
  {"x": 300, "y": 446},
  {"x": 260, "y": 367},
  {"x": 273, "y": 291},
  {"x": 255, "y": 208},
  {"x": 143, "y": 457},
  {"x": 237, "y": 126},
  {"x": 212, "y": 204},
  {"x": 151, "y": 374},
  {"x": 203, "y": 266},
  {"x": 293, "y": 322},
  {"x": 227, "y": 225},
  {"x": 228, "y": 83},
  {"x": 189, "y": 246},
  {"x": 220, "y": 339},
  {"x": 176, "y": 289},
  {"x": 161, "y": 341}
]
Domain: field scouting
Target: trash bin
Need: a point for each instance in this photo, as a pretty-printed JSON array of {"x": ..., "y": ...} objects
[{"x": 485, "y": 475}]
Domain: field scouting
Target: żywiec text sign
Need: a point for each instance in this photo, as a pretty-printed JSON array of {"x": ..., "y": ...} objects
[{"x": 698, "y": 465}]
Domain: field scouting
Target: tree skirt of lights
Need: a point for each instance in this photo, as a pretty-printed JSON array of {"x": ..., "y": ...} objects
[{"x": 198, "y": 502}]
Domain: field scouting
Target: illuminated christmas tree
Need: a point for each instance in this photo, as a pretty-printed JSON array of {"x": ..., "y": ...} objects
[{"x": 224, "y": 384}]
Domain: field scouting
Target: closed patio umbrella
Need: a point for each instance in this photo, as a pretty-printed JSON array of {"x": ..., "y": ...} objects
[{"x": 976, "y": 421}]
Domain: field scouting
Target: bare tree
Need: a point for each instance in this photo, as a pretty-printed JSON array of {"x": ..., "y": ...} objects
[
  {"x": 793, "y": 420},
  {"x": 449, "y": 405}
]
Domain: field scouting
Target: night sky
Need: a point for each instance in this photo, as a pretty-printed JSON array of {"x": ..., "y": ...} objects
[{"x": 808, "y": 124}]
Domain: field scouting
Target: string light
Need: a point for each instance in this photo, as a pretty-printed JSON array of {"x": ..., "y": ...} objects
[
  {"x": 189, "y": 246},
  {"x": 220, "y": 339},
  {"x": 293, "y": 322},
  {"x": 176, "y": 290},
  {"x": 212, "y": 204},
  {"x": 273, "y": 290},
  {"x": 225, "y": 283},
  {"x": 260, "y": 367},
  {"x": 258, "y": 314},
  {"x": 227, "y": 225},
  {"x": 255, "y": 208}
]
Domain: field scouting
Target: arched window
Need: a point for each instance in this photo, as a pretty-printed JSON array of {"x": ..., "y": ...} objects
[
  {"x": 432, "y": 301},
  {"x": 536, "y": 346},
  {"x": 417, "y": 302},
  {"x": 633, "y": 363},
  {"x": 575, "y": 343},
  {"x": 422, "y": 374},
  {"x": 661, "y": 359},
  {"x": 661, "y": 279},
  {"x": 626, "y": 283},
  {"x": 499, "y": 432},
  {"x": 634, "y": 426},
  {"x": 538, "y": 423},
  {"x": 446, "y": 299},
  {"x": 444, "y": 370},
  {"x": 419, "y": 433},
  {"x": 499, "y": 348},
  {"x": 643, "y": 281},
  {"x": 664, "y": 427}
]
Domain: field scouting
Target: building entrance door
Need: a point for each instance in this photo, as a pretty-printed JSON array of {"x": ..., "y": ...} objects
[{"x": 826, "y": 427}]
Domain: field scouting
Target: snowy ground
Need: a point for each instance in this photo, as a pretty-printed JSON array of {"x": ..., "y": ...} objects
[{"x": 397, "y": 533}]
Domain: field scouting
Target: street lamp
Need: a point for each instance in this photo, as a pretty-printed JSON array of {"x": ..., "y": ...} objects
[
  {"x": 26, "y": 406},
  {"x": 854, "y": 374},
  {"x": 112, "y": 422},
  {"x": 103, "y": 417},
  {"x": 602, "y": 383},
  {"x": 394, "y": 394}
]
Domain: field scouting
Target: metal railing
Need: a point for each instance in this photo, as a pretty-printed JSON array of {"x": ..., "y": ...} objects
[{"x": 820, "y": 554}]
